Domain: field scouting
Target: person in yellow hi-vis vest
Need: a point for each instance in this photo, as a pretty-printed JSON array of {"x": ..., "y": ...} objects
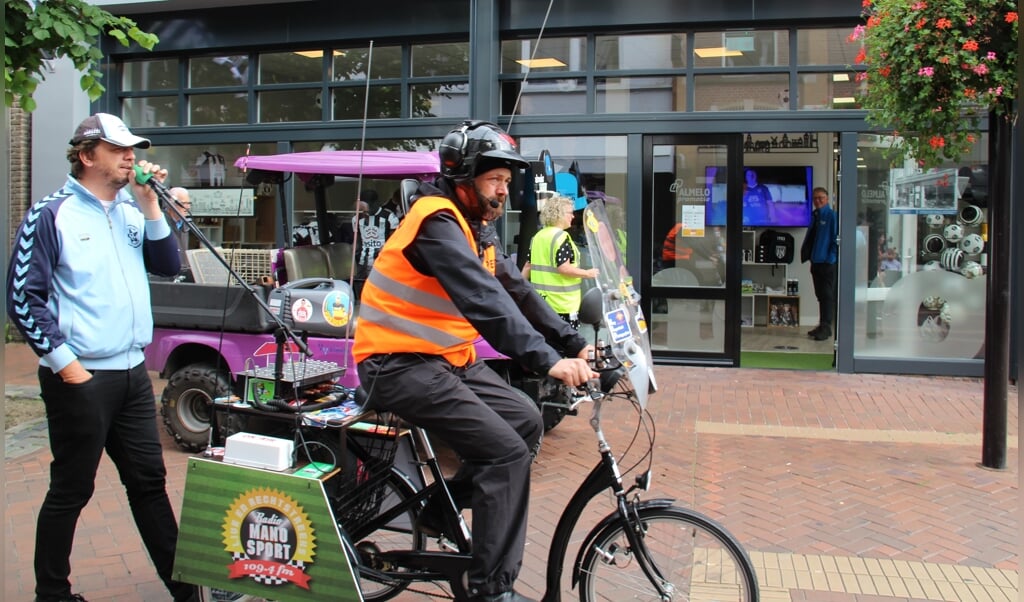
[{"x": 553, "y": 264}]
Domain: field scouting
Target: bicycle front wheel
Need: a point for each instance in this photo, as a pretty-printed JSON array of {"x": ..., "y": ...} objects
[{"x": 696, "y": 558}]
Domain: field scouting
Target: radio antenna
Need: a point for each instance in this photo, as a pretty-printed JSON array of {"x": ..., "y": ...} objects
[
  {"x": 526, "y": 74},
  {"x": 359, "y": 192}
]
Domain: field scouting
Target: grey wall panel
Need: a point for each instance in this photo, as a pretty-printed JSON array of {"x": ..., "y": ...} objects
[{"x": 272, "y": 25}]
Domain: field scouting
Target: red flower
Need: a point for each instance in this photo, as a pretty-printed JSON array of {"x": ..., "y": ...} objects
[
  {"x": 884, "y": 71},
  {"x": 867, "y": 4},
  {"x": 943, "y": 23},
  {"x": 1011, "y": 16},
  {"x": 944, "y": 60},
  {"x": 921, "y": 23},
  {"x": 970, "y": 45},
  {"x": 937, "y": 142},
  {"x": 970, "y": 92},
  {"x": 861, "y": 56},
  {"x": 874, "y": 20}
]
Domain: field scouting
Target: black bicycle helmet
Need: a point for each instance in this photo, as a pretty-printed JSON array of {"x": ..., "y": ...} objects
[{"x": 475, "y": 147}]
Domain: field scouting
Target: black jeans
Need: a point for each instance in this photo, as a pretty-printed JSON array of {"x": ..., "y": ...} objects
[
  {"x": 114, "y": 411},
  {"x": 496, "y": 431},
  {"x": 823, "y": 275}
]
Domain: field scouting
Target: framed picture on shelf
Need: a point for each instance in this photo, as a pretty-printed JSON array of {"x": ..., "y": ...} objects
[{"x": 784, "y": 311}]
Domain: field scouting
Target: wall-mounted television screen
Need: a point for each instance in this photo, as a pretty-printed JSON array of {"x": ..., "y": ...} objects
[{"x": 774, "y": 196}]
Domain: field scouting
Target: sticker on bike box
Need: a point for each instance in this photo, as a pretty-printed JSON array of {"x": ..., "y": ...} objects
[
  {"x": 302, "y": 310},
  {"x": 618, "y": 325},
  {"x": 337, "y": 308}
]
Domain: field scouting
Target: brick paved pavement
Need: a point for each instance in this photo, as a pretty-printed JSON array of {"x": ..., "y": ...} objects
[{"x": 843, "y": 488}]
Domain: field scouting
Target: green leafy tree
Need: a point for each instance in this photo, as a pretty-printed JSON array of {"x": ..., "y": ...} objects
[
  {"x": 38, "y": 31},
  {"x": 934, "y": 68}
]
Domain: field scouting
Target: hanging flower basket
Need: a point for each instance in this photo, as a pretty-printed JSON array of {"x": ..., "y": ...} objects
[{"x": 934, "y": 69}]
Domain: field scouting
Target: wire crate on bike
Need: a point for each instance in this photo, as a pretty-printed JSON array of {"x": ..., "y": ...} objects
[{"x": 370, "y": 453}]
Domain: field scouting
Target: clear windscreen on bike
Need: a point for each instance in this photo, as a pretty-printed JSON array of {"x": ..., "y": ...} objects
[{"x": 623, "y": 318}]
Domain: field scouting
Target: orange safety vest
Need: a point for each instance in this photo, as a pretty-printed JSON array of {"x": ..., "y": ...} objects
[
  {"x": 404, "y": 311},
  {"x": 671, "y": 252}
]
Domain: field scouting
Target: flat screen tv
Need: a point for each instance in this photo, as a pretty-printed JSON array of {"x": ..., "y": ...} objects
[{"x": 774, "y": 196}]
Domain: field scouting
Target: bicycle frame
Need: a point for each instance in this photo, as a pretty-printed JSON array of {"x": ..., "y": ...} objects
[{"x": 604, "y": 475}]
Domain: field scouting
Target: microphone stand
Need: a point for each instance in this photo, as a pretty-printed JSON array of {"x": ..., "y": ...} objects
[
  {"x": 282, "y": 332},
  {"x": 167, "y": 200}
]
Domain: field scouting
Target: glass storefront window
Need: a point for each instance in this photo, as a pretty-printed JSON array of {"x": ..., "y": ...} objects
[
  {"x": 354, "y": 63},
  {"x": 544, "y": 97},
  {"x": 762, "y": 48},
  {"x": 291, "y": 67},
  {"x": 439, "y": 100},
  {"x": 653, "y": 51},
  {"x": 150, "y": 111},
  {"x": 385, "y": 102},
  {"x": 440, "y": 60},
  {"x": 921, "y": 260},
  {"x": 639, "y": 94},
  {"x": 602, "y": 165},
  {"x": 552, "y": 54},
  {"x": 290, "y": 105},
  {"x": 828, "y": 46},
  {"x": 150, "y": 75},
  {"x": 753, "y": 92},
  {"x": 837, "y": 90},
  {"x": 213, "y": 71},
  {"x": 211, "y": 109}
]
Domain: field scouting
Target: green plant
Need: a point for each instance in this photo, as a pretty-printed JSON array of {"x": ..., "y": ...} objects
[
  {"x": 934, "y": 68},
  {"x": 38, "y": 31}
]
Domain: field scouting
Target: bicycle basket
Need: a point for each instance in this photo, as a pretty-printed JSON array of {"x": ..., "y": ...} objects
[{"x": 369, "y": 456}]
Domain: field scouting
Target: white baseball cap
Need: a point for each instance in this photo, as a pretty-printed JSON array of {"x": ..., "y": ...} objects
[{"x": 110, "y": 128}]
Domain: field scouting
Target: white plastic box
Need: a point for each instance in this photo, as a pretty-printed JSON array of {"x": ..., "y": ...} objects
[{"x": 259, "y": 451}]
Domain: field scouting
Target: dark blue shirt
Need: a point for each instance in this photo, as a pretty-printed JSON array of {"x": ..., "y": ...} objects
[{"x": 824, "y": 248}]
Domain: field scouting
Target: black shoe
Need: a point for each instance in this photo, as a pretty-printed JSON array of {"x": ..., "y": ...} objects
[
  {"x": 822, "y": 335},
  {"x": 67, "y": 598},
  {"x": 814, "y": 333},
  {"x": 512, "y": 596}
]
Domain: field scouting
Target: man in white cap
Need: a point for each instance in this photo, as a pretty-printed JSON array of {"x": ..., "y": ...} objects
[{"x": 79, "y": 294}]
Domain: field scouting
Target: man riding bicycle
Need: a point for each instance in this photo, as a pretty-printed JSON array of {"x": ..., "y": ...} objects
[{"x": 439, "y": 282}]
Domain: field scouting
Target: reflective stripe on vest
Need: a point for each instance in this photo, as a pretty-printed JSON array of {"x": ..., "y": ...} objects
[
  {"x": 404, "y": 311},
  {"x": 563, "y": 293}
]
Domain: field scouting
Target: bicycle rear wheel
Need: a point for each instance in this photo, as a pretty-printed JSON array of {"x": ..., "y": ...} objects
[
  {"x": 697, "y": 559},
  {"x": 397, "y": 534}
]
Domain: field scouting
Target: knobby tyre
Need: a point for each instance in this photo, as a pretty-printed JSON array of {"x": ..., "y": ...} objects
[{"x": 698, "y": 559}]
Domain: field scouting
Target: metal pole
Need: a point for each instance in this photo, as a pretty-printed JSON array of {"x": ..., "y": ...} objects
[{"x": 997, "y": 313}]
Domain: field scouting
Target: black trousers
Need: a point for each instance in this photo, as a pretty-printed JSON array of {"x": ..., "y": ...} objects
[
  {"x": 496, "y": 431},
  {"x": 823, "y": 275},
  {"x": 114, "y": 411}
]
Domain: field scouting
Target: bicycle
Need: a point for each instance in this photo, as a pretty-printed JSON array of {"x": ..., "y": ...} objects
[{"x": 643, "y": 550}]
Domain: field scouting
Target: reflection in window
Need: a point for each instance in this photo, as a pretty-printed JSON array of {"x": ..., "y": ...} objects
[
  {"x": 754, "y": 92},
  {"x": 150, "y": 111},
  {"x": 434, "y": 60},
  {"x": 639, "y": 94},
  {"x": 290, "y": 105},
  {"x": 210, "y": 109},
  {"x": 549, "y": 55},
  {"x": 439, "y": 100},
  {"x": 150, "y": 75},
  {"x": 825, "y": 47},
  {"x": 545, "y": 97},
  {"x": 354, "y": 63},
  {"x": 838, "y": 90},
  {"x": 385, "y": 102},
  {"x": 741, "y": 49},
  {"x": 654, "y": 51},
  {"x": 291, "y": 67},
  {"x": 206, "y": 71}
]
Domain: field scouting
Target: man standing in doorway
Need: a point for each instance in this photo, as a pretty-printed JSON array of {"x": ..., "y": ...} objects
[{"x": 821, "y": 248}]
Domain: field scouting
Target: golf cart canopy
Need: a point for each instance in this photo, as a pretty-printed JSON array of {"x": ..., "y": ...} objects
[{"x": 372, "y": 164}]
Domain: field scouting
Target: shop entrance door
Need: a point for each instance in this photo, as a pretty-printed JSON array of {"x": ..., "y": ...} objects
[{"x": 692, "y": 242}]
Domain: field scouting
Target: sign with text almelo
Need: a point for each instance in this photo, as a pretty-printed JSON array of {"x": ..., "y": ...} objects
[{"x": 259, "y": 532}]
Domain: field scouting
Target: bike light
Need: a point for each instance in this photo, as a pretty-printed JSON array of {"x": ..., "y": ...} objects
[{"x": 643, "y": 480}]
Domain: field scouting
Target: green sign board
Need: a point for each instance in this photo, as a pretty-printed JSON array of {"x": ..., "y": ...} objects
[{"x": 263, "y": 533}]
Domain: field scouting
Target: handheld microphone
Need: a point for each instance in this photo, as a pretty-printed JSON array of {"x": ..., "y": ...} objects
[{"x": 147, "y": 178}]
